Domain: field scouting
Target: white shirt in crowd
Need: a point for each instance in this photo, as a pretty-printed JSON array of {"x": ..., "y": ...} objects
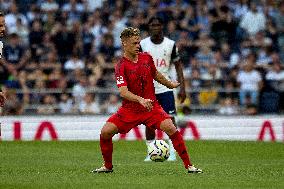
[
  {"x": 249, "y": 80},
  {"x": 49, "y": 6},
  {"x": 66, "y": 107},
  {"x": 74, "y": 64},
  {"x": 93, "y": 107},
  {"x": 78, "y": 93},
  {"x": 276, "y": 76},
  {"x": 253, "y": 22},
  {"x": 11, "y": 22}
]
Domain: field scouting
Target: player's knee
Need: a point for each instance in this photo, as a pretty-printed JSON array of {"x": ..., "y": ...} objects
[
  {"x": 168, "y": 127},
  {"x": 108, "y": 131}
]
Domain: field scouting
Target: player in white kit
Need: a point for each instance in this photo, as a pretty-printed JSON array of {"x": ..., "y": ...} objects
[
  {"x": 2, "y": 31},
  {"x": 164, "y": 53}
]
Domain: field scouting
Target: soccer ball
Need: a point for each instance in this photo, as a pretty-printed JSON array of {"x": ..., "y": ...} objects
[{"x": 158, "y": 150}]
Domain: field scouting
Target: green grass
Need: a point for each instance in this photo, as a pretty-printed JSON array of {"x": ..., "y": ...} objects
[{"x": 68, "y": 165}]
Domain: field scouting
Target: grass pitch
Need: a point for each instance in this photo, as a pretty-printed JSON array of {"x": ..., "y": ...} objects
[{"x": 68, "y": 165}]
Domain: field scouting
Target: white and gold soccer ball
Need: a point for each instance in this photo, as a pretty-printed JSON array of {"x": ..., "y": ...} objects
[{"x": 158, "y": 150}]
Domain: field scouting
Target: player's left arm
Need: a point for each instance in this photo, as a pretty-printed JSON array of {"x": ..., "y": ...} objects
[
  {"x": 179, "y": 69},
  {"x": 159, "y": 77}
]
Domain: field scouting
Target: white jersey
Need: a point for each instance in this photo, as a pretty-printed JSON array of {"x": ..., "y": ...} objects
[
  {"x": 163, "y": 54},
  {"x": 1, "y": 48}
]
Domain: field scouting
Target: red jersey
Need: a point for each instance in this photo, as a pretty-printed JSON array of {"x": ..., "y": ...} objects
[{"x": 138, "y": 77}]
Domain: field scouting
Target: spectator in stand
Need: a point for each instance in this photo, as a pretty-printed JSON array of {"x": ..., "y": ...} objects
[
  {"x": 80, "y": 89},
  {"x": 49, "y": 61},
  {"x": 15, "y": 55},
  {"x": 49, "y": 6},
  {"x": 5, "y": 5},
  {"x": 23, "y": 32},
  {"x": 47, "y": 49},
  {"x": 34, "y": 13},
  {"x": 74, "y": 63},
  {"x": 65, "y": 104},
  {"x": 250, "y": 83},
  {"x": 12, "y": 17},
  {"x": 276, "y": 77},
  {"x": 48, "y": 105},
  {"x": 223, "y": 27},
  {"x": 189, "y": 23},
  {"x": 213, "y": 73},
  {"x": 107, "y": 51},
  {"x": 259, "y": 20},
  {"x": 195, "y": 83},
  {"x": 203, "y": 18},
  {"x": 36, "y": 38},
  {"x": 73, "y": 6},
  {"x": 88, "y": 40},
  {"x": 64, "y": 41},
  {"x": 228, "y": 107},
  {"x": 205, "y": 57},
  {"x": 111, "y": 105},
  {"x": 89, "y": 105},
  {"x": 279, "y": 20}
]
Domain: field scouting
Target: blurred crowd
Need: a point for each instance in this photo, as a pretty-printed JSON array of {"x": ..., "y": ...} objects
[{"x": 59, "y": 55}]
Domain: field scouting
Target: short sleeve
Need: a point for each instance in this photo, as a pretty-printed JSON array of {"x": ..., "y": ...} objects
[
  {"x": 153, "y": 67},
  {"x": 119, "y": 75},
  {"x": 175, "y": 55}
]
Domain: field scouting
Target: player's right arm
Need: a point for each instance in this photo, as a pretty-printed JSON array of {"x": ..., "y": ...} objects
[{"x": 126, "y": 94}]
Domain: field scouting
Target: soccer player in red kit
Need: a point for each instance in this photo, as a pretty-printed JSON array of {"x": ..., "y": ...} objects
[{"x": 134, "y": 76}]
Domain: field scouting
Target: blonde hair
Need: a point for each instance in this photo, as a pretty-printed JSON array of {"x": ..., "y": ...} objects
[{"x": 129, "y": 32}]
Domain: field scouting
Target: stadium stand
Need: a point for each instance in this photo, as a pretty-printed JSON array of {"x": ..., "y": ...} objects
[{"x": 59, "y": 55}]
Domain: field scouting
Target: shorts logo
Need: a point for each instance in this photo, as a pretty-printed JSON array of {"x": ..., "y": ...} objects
[
  {"x": 171, "y": 111},
  {"x": 119, "y": 80}
]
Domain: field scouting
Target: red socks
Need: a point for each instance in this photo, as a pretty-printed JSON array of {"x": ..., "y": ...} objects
[
  {"x": 180, "y": 147},
  {"x": 177, "y": 140},
  {"x": 106, "y": 149}
]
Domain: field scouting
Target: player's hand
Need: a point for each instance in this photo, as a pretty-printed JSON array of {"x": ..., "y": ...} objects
[
  {"x": 2, "y": 99},
  {"x": 182, "y": 95},
  {"x": 174, "y": 84},
  {"x": 147, "y": 103}
]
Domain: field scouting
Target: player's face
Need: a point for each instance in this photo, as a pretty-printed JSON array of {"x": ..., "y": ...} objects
[
  {"x": 155, "y": 27},
  {"x": 132, "y": 45},
  {"x": 2, "y": 26}
]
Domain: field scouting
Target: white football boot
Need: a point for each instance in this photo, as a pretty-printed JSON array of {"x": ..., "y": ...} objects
[
  {"x": 192, "y": 169},
  {"x": 147, "y": 144},
  {"x": 102, "y": 169},
  {"x": 172, "y": 156}
]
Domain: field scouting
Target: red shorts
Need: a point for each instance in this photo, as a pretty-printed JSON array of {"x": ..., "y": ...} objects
[{"x": 126, "y": 119}]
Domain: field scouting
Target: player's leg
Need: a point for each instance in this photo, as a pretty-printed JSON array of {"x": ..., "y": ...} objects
[
  {"x": 167, "y": 101},
  {"x": 107, "y": 132},
  {"x": 168, "y": 127},
  {"x": 121, "y": 122},
  {"x": 172, "y": 149}
]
